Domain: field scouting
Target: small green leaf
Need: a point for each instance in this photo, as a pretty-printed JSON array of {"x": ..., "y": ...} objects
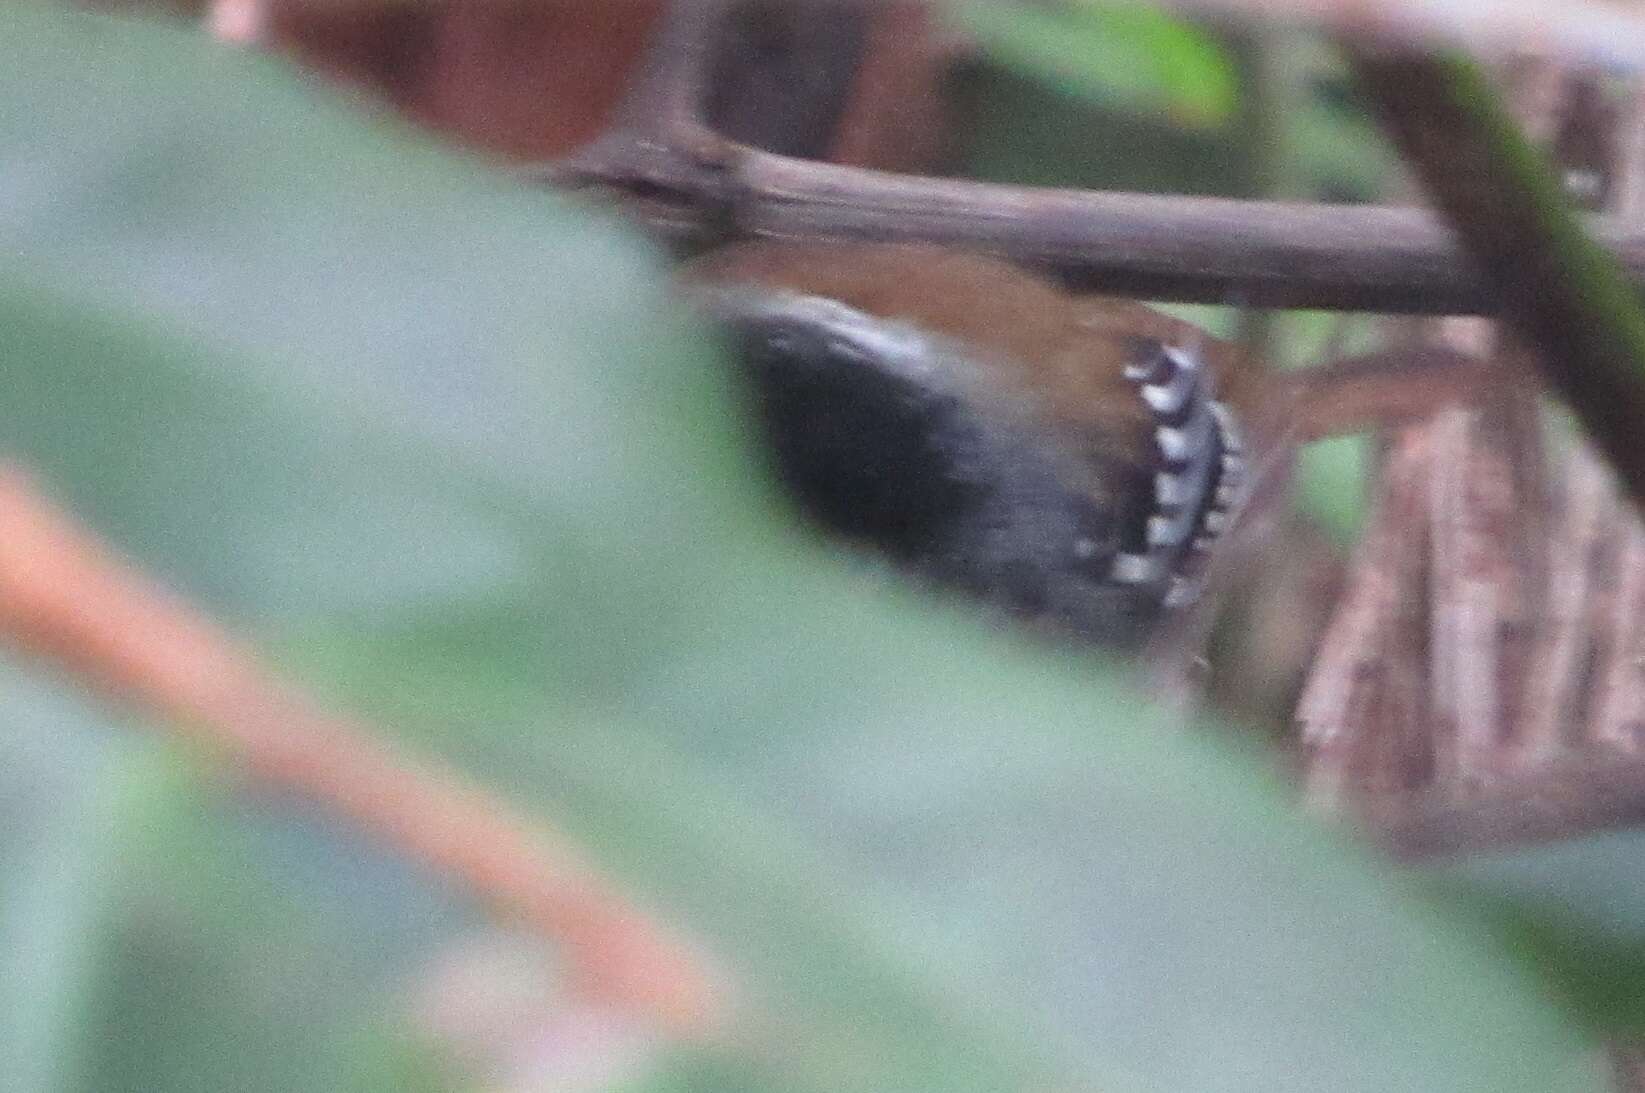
[
  {"x": 1332, "y": 477},
  {"x": 1122, "y": 55}
]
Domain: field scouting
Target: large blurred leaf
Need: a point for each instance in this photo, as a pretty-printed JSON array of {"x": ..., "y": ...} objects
[
  {"x": 55, "y": 857},
  {"x": 139, "y": 951},
  {"x": 447, "y": 447},
  {"x": 1580, "y": 904}
]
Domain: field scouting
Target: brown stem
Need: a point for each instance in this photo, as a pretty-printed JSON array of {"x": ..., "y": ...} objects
[
  {"x": 1562, "y": 800},
  {"x": 697, "y": 188},
  {"x": 63, "y": 596},
  {"x": 1389, "y": 387}
]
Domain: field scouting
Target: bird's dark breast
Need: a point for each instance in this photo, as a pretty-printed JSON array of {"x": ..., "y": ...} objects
[
  {"x": 862, "y": 449},
  {"x": 926, "y": 450}
]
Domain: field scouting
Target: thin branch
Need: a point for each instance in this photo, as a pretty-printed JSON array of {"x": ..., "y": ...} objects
[
  {"x": 1563, "y": 799},
  {"x": 63, "y": 596},
  {"x": 695, "y": 188},
  {"x": 1382, "y": 389},
  {"x": 672, "y": 85},
  {"x": 780, "y": 73}
]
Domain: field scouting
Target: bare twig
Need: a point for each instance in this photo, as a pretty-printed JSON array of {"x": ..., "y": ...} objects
[
  {"x": 671, "y": 87},
  {"x": 1382, "y": 389},
  {"x": 695, "y": 187},
  {"x": 897, "y": 115},
  {"x": 65, "y": 597},
  {"x": 780, "y": 73},
  {"x": 1563, "y": 799}
]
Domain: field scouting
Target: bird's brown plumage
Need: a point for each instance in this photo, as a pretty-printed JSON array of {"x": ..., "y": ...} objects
[
  {"x": 1064, "y": 456},
  {"x": 1063, "y": 355}
]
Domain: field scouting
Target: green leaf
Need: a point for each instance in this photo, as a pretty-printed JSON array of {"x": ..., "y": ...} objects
[
  {"x": 1120, "y": 55},
  {"x": 450, "y": 452},
  {"x": 1332, "y": 478},
  {"x": 1579, "y": 905}
]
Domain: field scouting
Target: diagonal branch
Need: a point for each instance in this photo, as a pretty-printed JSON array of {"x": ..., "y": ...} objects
[
  {"x": 63, "y": 597},
  {"x": 1558, "y": 288}
]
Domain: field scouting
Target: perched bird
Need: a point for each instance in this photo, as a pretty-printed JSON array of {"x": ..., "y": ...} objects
[{"x": 1069, "y": 459}]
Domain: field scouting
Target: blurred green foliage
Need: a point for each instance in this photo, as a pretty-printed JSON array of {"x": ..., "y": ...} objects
[
  {"x": 1129, "y": 56},
  {"x": 449, "y": 452}
]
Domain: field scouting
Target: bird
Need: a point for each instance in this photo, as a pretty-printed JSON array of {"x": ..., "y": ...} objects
[{"x": 1069, "y": 460}]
